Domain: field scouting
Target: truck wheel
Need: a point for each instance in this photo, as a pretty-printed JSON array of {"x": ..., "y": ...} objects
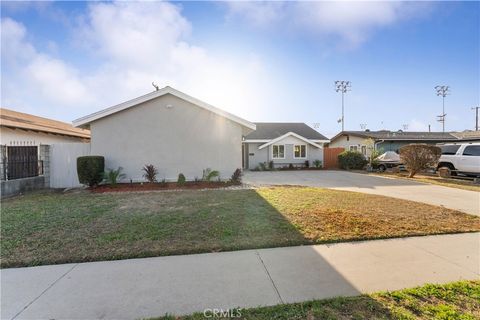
[
  {"x": 382, "y": 168},
  {"x": 444, "y": 172}
]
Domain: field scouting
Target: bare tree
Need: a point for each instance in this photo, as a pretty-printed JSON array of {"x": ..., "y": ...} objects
[{"x": 418, "y": 157}]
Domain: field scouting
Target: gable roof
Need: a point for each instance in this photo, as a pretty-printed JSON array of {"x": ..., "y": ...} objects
[
  {"x": 293, "y": 134},
  {"x": 272, "y": 130},
  {"x": 400, "y": 135},
  {"x": 19, "y": 120},
  {"x": 85, "y": 121}
]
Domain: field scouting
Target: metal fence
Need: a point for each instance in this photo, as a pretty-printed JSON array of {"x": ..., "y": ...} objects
[{"x": 20, "y": 162}]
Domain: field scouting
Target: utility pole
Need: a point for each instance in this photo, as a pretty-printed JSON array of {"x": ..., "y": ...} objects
[
  {"x": 343, "y": 86},
  {"x": 442, "y": 91},
  {"x": 476, "y": 117}
]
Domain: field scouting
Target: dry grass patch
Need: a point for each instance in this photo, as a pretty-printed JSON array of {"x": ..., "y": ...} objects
[
  {"x": 331, "y": 215},
  {"x": 50, "y": 228}
]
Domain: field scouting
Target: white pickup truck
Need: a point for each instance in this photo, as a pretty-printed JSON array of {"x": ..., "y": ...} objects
[{"x": 461, "y": 158}]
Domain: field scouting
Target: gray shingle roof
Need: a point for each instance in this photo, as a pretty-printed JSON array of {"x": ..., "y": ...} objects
[
  {"x": 401, "y": 135},
  {"x": 272, "y": 130}
]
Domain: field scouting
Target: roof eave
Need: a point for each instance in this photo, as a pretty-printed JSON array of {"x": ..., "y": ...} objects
[{"x": 84, "y": 121}]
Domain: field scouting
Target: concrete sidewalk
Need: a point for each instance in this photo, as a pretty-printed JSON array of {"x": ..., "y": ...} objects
[{"x": 139, "y": 288}]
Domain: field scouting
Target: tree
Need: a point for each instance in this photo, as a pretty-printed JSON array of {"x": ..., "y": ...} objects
[{"x": 417, "y": 157}]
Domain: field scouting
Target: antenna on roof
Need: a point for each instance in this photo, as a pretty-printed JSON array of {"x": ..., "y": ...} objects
[
  {"x": 316, "y": 125},
  {"x": 155, "y": 86},
  {"x": 363, "y": 126},
  {"x": 405, "y": 127}
]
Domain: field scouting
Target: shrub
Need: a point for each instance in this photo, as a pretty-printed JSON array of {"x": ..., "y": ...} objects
[
  {"x": 262, "y": 166},
  {"x": 90, "y": 170},
  {"x": 418, "y": 157},
  {"x": 351, "y": 160},
  {"x": 291, "y": 167},
  {"x": 209, "y": 174},
  {"x": 150, "y": 173},
  {"x": 111, "y": 176},
  {"x": 236, "y": 177},
  {"x": 307, "y": 164},
  {"x": 317, "y": 163},
  {"x": 271, "y": 165},
  {"x": 181, "y": 179}
]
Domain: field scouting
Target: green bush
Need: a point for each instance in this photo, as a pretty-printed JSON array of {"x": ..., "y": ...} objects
[
  {"x": 181, "y": 179},
  {"x": 317, "y": 163},
  {"x": 351, "y": 160},
  {"x": 112, "y": 176},
  {"x": 209, "y": 174},
  {"x": 90, "y": 170},
  {"x": 236, "y": 177}
]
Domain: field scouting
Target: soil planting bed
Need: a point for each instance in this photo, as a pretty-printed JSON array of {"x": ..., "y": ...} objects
[{"x": 191, "y": 185}]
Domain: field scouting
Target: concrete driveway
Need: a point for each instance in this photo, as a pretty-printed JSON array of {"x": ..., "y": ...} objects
[{"x": 458, "y": 199}]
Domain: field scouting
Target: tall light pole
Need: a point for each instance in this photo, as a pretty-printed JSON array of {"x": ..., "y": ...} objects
[
  {"x": 343, "y": 86},
  {"x": 476, "y": 117},
  {"x": 442, "y": 91}
]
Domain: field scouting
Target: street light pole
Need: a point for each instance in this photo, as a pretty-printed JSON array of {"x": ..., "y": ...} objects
[
  {"x": 343, "y": 86},
  {"x": 442, "y": 91},
  {"x": 476, "y": 117}
]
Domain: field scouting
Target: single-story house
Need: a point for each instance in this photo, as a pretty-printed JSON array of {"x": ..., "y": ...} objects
[
  {"x": 386, "y": 140},
  {"x": 23, "y": 129},
  {"x": 173, "y": 131},
  {"x": 282, "y": 143}
]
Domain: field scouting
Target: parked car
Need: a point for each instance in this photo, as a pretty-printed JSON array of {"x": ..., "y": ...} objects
[
  {"x": 461, "y": 158},
  {"x": 389, "y": 159}
]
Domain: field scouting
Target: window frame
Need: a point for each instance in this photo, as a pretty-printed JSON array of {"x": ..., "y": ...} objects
[
  {"x": 351, "y": 146},
  {"x": 300, "y": 145},
  {"x": 470, "y": 155},
  {"x": 278, "y": 145}
]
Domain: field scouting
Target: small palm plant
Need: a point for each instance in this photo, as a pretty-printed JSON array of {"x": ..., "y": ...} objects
[
  {"x": 112, "y": 176},
  {"x": 209, "y": 174},
  {"x": 317, "y": 163},
  {"x": 150, "y": 173}
]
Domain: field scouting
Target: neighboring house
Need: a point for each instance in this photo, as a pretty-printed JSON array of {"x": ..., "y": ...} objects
[
  {"x": 17, "y": 128},
  {"x": 467, "y": 136},
  {"x": 282, "y": 143},
  {"x": 386, "y": 140},
  {"x": 171, "y": 130}
]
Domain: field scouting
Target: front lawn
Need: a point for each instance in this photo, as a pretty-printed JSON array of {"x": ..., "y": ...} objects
[
  {"x": 50, "y": 228},
  {"x": 458, "y": 300}
]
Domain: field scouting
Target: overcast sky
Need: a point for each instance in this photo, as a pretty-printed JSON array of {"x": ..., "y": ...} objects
[{"x": 263, "y": 61}]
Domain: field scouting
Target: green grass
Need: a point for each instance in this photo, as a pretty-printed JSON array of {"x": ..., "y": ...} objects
[
  {"x": 458, "y": 300},
  {"x": 50, "y": 228}
]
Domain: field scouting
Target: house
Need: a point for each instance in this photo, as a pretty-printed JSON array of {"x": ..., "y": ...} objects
[
  {"x": 386, "y": 140},
  {"x": 171, "y": 130},
  {"x": 17, "y": 128},
  {"x": 467, "y": 136},
  {"x": 282, "y": 143}
]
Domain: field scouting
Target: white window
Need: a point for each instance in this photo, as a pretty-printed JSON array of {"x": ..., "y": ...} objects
[
  {"x": 278, "y": 151},
  {"x": 353, "y": 148},
  {"x": 300, "y": 151}
]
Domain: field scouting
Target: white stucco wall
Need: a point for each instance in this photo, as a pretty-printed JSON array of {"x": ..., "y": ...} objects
[
  {"x": 342, "y": 142},
  {"x": 182, "y": 139},
  {"x": 17, "y": 136},
  {"x": 257, "y": 156}
]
